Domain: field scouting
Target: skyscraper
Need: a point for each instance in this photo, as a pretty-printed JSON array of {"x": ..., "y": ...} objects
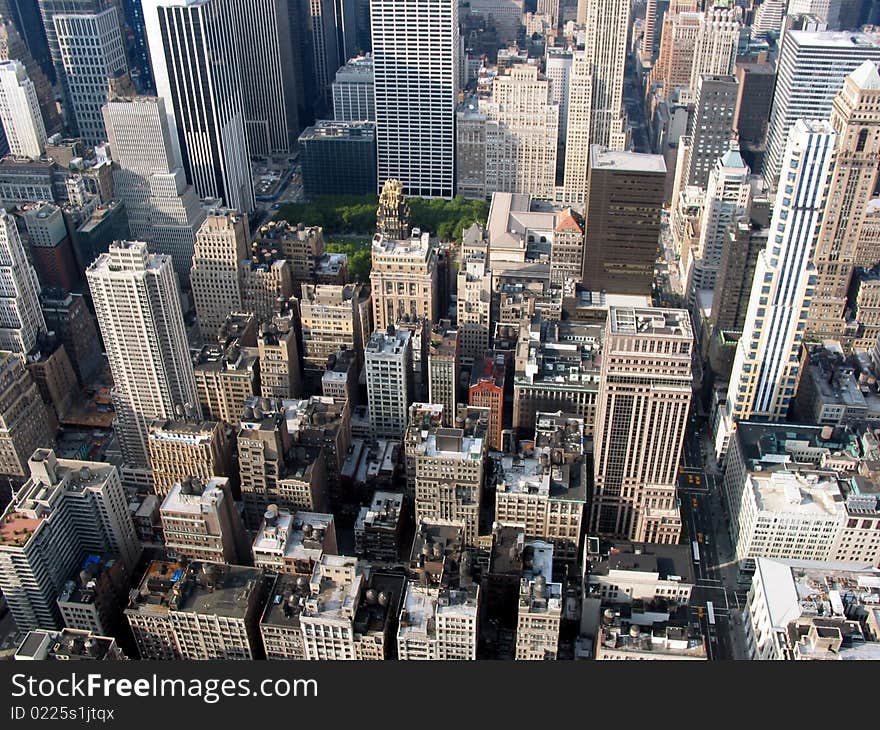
[
  {"x": 21, "y": 318},
  {"x": 716, "y": 43},
  {"x": 13, "y": 48},
  {"x": 206, "y": 108},
  {"x": 48, "y": 10},
  {"x": 578, "y": 129},
  {"x": 138, "y": 309},
  {"x": 855, "y": 116},
  {"x": 622, "y": 220},
  {"x": 766, "y": 367},
  {"x": 268, "y": 78},
  {"x": 416, "y": 64},
  {"x": 221, "y": 244},
  {"x": 92, "y": 54},
  {"x": 66, "y": 510},
  {"x": 711, "y": 127},
  {"x": 162, "y": 208},
  {"x": 642, "y": 415},
  {"x": 727, "y": 200},
  {"x": 522, "y": 123},
  {"x": 20, "y": 111},
  {"x": 810, "y": 72},
  {"x": 607, "y": 25},
  {"x": 388, "y": 363}
]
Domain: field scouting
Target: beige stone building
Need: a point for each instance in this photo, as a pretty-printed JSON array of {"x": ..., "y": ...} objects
[
  {"x": 221, "y": 244},
  {"x": 403, "y": 280},
  {"x": 642, "y": 414},
  {"x": 24, "y": 419},
  {"x": 855, "y": 117},
  {"x": 186, "y": 448}
]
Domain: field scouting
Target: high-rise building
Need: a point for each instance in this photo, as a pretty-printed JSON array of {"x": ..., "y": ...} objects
[
  {"x": 138, "y": 308},
  {"x": 356, "y": 628},
  {"x": 353, "y": 91},
  {"x": 678, "y": 39},
  {"x": 162, "y": 208},
  {"x": 50, "y": 246},
  {"x": 403, "y": 280},
  {"x": 855, "y": 116},
  {"x": 579, "y": 132},
  {"x": 226, "y": 376},
  {"x": 474, "y": 306},
  {"x": 300, "y": 244},
  {"x": 280, "y": 372},
  {"x": 736, "y": 268},
  {"x": 265, "y": 60},
  {"x": 20, "y": 111},
  {"x": 622, "y": 221},
  {"x": 388, "y": 365},
  {"x": 766, "y": 368},
  {"x": 329, "y": 322},
  {"x": 265, "y": 280},
  {"x": 271, "y": 471},
  {"x": 546, "y": 489},
  {"x": 25, "y": 424},
  {"x": 66, "y": 510},
  {"x": 711, "y": 128},
  {"x": 198, "y": 611},
  {"x": 607, "y": 26},
  {"x": 206, "y": 108},
  {"x": 522, "y": 127},
  {"x": 728, "y": 195},
  {"x": 180, "y": 449},
  {"x": 440, "y": 616},
  {"x": 68, "y": 316},
  {"x": 443, "y": 371},
  {"x": 539, "y": 608},
  {"x": 416, "y": 57},
  {"x": 48, "y": 10},
  {"x": 448, "y": 465},
  {"x": 642, "y": 416},
  {"x": 755, "y": 84},
  {"x": 92, "y": 52},
  {"x": 338, "y": 158},
  {"x": 768, "y": 17},
  {"x": 717, "y": 42},
  {"x": 201, "y": 522},
  {"x": 14, "y": 48},
  {"x": 221, "y": 244},
  {"x": 21, "y": 318},
  {"x": 811, "y": 71},
  {"x": 486, "y": 390}
]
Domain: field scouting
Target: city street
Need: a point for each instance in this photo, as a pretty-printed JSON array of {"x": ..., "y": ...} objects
[{"x": 715, "y": 571}]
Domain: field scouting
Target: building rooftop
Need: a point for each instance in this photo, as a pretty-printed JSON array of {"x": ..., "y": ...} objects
[
  {"x": 392, "y": 342},
  {"x": 660, "y": 562},
  {"x": 650, "y": 321},
  {"x": 220, "y": 590},
  {"x": 286, "y": 601},
  {"x": 384, "y": 512},
  {"x": 603, "y": 158},
  {"x": 294, "y": 536},
  {"x": 195, "y": 497},
  {"x": 803, "y": 493}
]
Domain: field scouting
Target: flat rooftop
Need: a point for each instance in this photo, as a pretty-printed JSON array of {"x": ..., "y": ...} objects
[{"x": 602, "y": 158}]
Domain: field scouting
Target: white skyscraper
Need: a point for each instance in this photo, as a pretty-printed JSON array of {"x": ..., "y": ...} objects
[
  {"x": 138, "y": 310},
  {"x": 716, "y": 43},
  {"x": 65, "y": 511},
  {"x": 92, "y": 53},
  {"x": 20, "y": 111},
  {"x": 416, "y": 65},
  {"x": 578, "y": 129},
  {"x": 607, "y": 25},
  {"x": 765, "y": 369},
  {"x": 162, "y": 208},
  {"x": 810, "y": 72},
  {"x": 522, "y": 125},
  {"x": 727, "y": 199},
  {"x": 388, "y": 364},
  {"x": 21, "y": 318},
  {"x": 196, "y": 59}
]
